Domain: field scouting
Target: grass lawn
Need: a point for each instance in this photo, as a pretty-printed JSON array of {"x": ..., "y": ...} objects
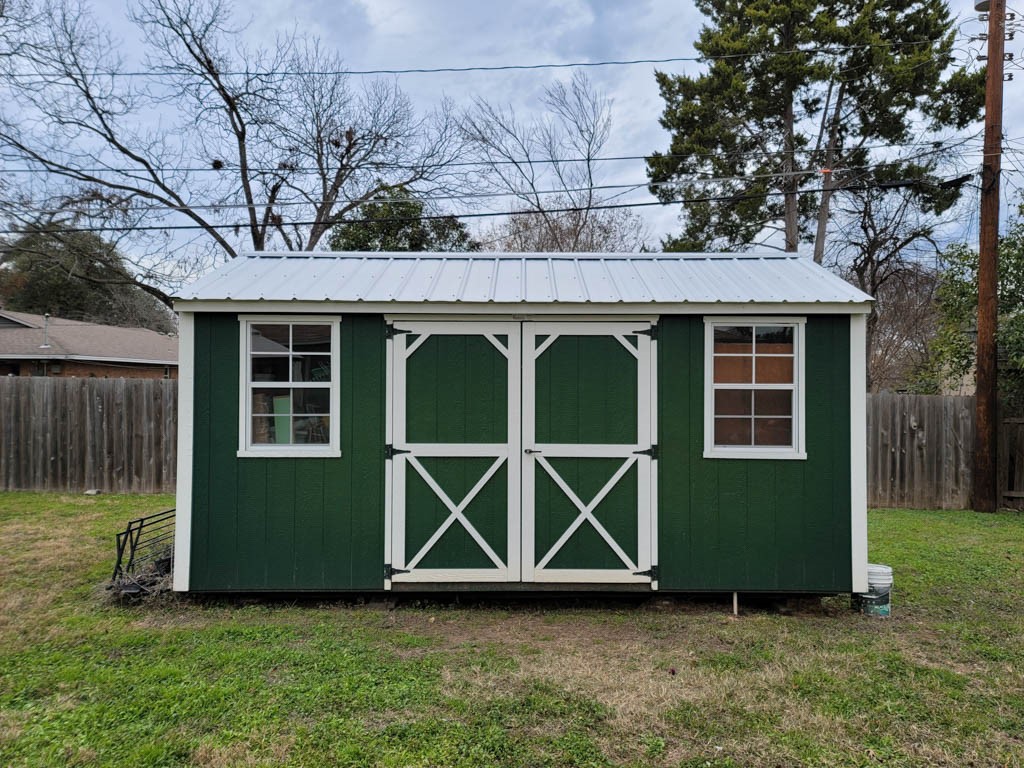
[{"x": 167, "y": 681}]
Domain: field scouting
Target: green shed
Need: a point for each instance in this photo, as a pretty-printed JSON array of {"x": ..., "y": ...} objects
[{"x": 399, "y": 421}]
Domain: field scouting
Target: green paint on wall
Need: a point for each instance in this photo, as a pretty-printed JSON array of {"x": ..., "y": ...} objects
[
  {"x": 288, "y": 523},
  {"x": 586, "y": 392},
  {"x": 754, "y": 525},
  {"x": 457, "y": 391}
]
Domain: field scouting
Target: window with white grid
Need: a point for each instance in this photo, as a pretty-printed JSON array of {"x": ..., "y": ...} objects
[
  {"x": 290, "y": 390},
  {"x": 753, "y": 394}
]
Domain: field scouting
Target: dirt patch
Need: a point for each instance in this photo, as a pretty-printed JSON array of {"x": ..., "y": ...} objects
[{"x": 245, "y": 754}]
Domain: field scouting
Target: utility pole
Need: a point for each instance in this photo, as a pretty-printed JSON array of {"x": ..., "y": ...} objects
[{"x": 985, "y": 444}]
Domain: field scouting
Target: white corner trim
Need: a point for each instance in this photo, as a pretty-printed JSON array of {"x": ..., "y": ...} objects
[
  {"x": 795, "y": 452},
  {"x": 245, "y": 448},
  {"x": 858, "y": 453},
  {"x": 183, "y": 496}
]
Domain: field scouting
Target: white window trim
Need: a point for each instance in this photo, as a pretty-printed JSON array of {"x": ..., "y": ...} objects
[
  {"x": 798, "y": 451},
  {"x": 245, "y": 448}
]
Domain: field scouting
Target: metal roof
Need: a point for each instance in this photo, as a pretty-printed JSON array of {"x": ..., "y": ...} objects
[{"x": 523, "y": 278}]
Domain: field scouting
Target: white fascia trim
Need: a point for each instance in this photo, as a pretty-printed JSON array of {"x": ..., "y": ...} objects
[
  {"x": 521, "y": 310},
  {"x": 183, "y": 496},
  {"x": 858, "y": 454},
  {"x": 797, "y": 452},
  {"x": 330, "y": 451},
  {"x": 92, "y": 358}
]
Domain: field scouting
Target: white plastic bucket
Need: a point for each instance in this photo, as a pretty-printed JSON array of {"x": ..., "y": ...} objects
[{"x": 879, "y": 577}]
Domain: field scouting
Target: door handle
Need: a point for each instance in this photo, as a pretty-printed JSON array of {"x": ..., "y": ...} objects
[{"x": 530, "y": 450}]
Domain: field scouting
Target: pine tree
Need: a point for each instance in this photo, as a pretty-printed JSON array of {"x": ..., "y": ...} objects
[{"x": 800, "y": 94}]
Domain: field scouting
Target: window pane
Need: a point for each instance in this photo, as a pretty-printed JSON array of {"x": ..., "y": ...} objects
[
  {"x": 269, "y": 338},
  {"x": 311, "y": 338},
  {"x": 734, "y": 339},
  {"x": 271, "y": 430},
  {"x": 774, "y": 340},
  {"x": 270, "y": 369},
  {"x": 732, "y": 431},
  {"x": 733, "y": 402},
  {"x": 733, "y": 370},
  {"x": 773, "y": 432},
  {"x": 311, "y": 368},
  {"x": 271, "y": 401},
  {"x": 774, "y": 370},
  {"x": 311, "y": 401},
  {"x": 312, "y": 430},
  {"x": 773, "y": 402}
]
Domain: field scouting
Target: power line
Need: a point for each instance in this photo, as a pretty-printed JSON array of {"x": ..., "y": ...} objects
[
  {"x": 646, "y": 184},
  {"x": 172, "y": 72},
  {"x": 238, "y": 226},
  {"x": 937, "y": 146}
]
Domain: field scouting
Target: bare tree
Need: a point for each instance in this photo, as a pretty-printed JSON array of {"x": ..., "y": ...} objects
[
  {"x": 906, "y": 319},
  {"x": 253, "y": 148},
  {"x": 888, "y": 232},
  {"x": 604, "y": 231},
  {"x": 550, "y": 168}
]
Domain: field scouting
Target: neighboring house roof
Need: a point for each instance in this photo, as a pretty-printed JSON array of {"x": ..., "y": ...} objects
[
  {"x": 525, "y": 278},
  {"x": 22, "y": 337}
]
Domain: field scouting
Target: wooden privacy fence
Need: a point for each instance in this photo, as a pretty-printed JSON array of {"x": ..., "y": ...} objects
[
  {"x": 1011, "y": 463},
  {"x": 66, "y": 434},
  {"x": 920, "y": 451}
]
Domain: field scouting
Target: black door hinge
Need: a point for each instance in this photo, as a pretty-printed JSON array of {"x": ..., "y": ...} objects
[
  {"x": 652, "y": 452},
  {"x": 652, "y": 332},
  {"x": 652, "y": 572},
  {"x": 390, "y": 571},
  {"x": 390, "y": 331},
  {"x": 390, "y": 451}
]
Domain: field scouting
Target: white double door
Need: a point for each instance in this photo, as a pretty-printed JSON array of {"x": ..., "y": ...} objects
[{"x": 520, "y": 451}]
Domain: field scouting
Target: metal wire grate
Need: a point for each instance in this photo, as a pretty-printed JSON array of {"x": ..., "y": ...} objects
[{"x": 145, "y": 554}]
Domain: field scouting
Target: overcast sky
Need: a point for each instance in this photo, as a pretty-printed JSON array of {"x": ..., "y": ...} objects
[{"x": 398, "y": 34}]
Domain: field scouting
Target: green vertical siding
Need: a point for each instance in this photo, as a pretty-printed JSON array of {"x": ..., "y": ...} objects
[
  {"x": 735, "y": 524},
  {"x": 288, "y": 523},
  {"x": 318, "y": 524}
]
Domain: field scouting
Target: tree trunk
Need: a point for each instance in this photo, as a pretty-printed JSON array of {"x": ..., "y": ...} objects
[{"x": 791, "y": 216}]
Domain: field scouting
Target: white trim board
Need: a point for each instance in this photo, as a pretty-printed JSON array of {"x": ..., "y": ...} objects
[
  {"x": 522, "y": 310},
  {"x": 183, "y": 495},
  {"x": 858, "y": 454}
]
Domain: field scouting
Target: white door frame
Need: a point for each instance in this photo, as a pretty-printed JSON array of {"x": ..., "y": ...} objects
[
  {"x": 533, "y": 569},
  {"x": 509, "y": 454}
]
